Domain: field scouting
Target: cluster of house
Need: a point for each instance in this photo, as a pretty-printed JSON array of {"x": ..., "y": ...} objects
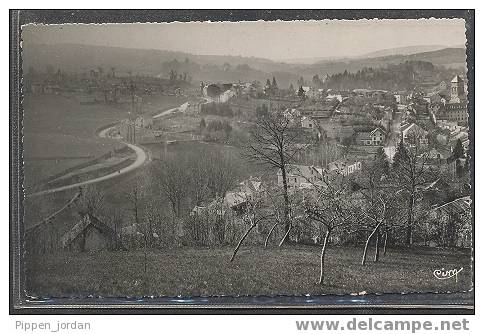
[
  {"x": 443, "y": 157},
  {"x": 361, "y": 116},
  {"x": 235, "y": 199},
  {"x": 306, "y": 177},
  {"x": 46, "y": 87},
  {"x": 448, "y": 101},
  {"x": 297, "y": 177},
  {"x": 371, "y": 136},
  {"x": 98, "y": 85},
  {"x": 336, "y": 112}
]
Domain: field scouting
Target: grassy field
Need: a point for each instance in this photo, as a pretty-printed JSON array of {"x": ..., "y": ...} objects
[
  {"x": 60, "y": 126},
  {"x": 60, "y": 133},
  {"x": 291, "y": 270}
]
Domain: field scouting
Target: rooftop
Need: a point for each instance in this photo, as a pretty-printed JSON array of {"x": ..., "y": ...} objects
[
  {"x": 301, "y": 170},
  {"x": 457, "y": 206},
  {"x": 456, "y": 79}
]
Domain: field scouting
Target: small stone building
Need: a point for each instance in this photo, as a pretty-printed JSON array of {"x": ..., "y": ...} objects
[{"x": 91, "y": 234}]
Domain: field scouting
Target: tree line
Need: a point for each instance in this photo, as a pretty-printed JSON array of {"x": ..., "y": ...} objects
[{"x": 403, "y": 76}]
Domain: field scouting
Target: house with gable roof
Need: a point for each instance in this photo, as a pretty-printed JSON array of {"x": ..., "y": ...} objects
[
  {"x": 411, "y": 131},
  {"x": 300, "y": 175},
  {"x": 375, "y": 137},
  {"x": 91, "y": 234}
]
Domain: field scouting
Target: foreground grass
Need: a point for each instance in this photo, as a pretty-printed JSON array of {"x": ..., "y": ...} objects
[{"x": 291, "y": 270}]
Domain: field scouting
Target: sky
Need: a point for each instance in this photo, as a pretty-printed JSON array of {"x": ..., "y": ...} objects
[{"x": 276, "y": 40}]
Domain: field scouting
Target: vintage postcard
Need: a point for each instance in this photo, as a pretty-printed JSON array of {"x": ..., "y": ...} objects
[{"x": 269, "y": 158}]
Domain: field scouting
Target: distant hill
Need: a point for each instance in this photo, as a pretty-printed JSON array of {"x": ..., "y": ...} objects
[
  {"x": 402, "y": 51},
  {"x": 313, "y": 60},
  {"x": 449, "y": 57},
  {"x": 402, "y": 76},
  {"x": 76, "y": 58},
  {"x": 407, "y": 50}
]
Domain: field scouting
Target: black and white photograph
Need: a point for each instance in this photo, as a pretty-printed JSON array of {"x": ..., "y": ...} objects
[{"x": 251, "y": 158}]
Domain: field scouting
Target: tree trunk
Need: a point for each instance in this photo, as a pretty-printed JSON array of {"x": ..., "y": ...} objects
[
  {"x": 323, "y": 254},
  {"x": 385, "y": 244},
  {"x": 408, "y": 230},
  {"x": 269, "y": 234},
  {"x": 286, "y": 199},
  {"x": 146, "y": 264},
  {"x": 377, "y": 247},
  {"x": 241, "y": 241},
  {"x": 286, "y": 235},
  {"x": 365, "y": 251},
  {"x": 174, "y": 205}
]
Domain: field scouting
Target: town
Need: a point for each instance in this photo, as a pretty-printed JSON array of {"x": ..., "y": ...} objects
[{"x": 312, "y": 180}]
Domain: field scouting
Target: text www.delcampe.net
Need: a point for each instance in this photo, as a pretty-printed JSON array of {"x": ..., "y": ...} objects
[{"x": 371, "y": 324}]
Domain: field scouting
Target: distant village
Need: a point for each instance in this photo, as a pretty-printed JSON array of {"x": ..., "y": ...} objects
[{"x": 361, "y": 122}]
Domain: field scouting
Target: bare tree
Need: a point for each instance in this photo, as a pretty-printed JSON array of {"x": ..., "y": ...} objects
[
  {"x": 172, "y": 176},
  {"x": 377, "y": 192},
  {"x": 253, "y": 215},
  {"x": 199, "y": 180},
  {"x": 377, "y": 217},
  {"x": 136, "y": 198},
  {"x": 277, "y": 216},
  {"x": 331, "y": 207},
  {"x": 116, "y": 219},
  {"x": 411, "y": 170},
  {"x": 275, "y": 142},
  {"x": 276, "y": 206},
  {"x": 222, "y": 173},
  {"x": 90, "y": 201}
]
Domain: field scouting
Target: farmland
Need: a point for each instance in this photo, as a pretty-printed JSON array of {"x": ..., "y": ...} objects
[{"x": 60, "y": 133}]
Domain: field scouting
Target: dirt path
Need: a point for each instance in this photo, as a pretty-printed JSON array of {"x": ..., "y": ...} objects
[{"x": 180, "y": 108}]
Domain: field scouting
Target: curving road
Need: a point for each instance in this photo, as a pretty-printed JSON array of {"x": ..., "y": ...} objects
[{"x": 141, "y": 157}]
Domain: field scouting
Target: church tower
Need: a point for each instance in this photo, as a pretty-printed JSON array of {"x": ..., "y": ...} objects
[{"x": 457, "y": 93}]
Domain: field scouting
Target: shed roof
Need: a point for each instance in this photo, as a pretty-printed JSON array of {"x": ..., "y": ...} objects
[
  {"x": 87, "y": 220},
  {"x": 301, "y": 170},
  {"x": 456, "y": 206}
]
